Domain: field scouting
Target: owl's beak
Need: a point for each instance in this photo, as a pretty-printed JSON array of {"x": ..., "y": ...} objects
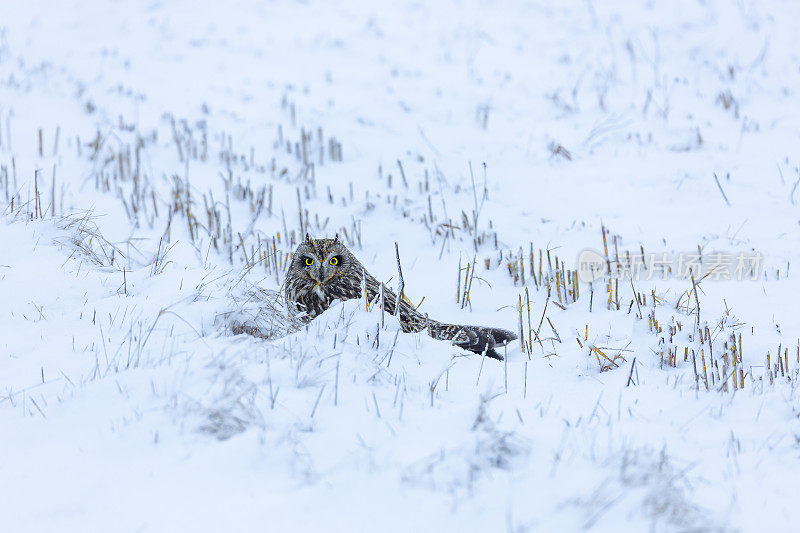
[{"x": 318, "y": 276}]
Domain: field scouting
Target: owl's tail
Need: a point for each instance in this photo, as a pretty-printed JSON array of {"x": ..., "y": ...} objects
[{"x": 478, "y": 339}]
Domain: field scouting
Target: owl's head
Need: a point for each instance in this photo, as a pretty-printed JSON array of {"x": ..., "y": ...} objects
[{"x": 319, "y": 261}]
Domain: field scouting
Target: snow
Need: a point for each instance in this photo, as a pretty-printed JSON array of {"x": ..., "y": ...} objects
[{"x": 148, "y": 203}]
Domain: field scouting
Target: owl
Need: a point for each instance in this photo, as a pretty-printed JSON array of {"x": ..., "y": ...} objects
[{"x": 324, "y": 270}]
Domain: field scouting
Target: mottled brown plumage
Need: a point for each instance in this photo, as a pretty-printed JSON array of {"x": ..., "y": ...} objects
[{"x": 324, "y": 270}]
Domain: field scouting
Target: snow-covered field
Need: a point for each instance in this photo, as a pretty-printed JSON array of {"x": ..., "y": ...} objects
[{"x": 159, "y": 161}]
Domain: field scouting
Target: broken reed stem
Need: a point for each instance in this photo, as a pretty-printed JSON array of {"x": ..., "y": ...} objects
[
  {"x": 530, "y": 339},
  {"x": 470, "y": 275},
  {"x": 401, "y": 283},
  {"x": 383, "y": 305},
  {"x": 464, "y": 296},
  {"x": 458, "y": 290},
  {"x": 696, "y": 297},
  {"x": 521, "y": 331}
]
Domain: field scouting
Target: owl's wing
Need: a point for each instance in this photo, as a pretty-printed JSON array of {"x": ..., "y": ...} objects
[{"x": 477, "y": 339}]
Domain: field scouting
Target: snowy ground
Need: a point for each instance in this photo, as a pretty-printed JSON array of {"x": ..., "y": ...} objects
[{"x": 159, "y": 161}]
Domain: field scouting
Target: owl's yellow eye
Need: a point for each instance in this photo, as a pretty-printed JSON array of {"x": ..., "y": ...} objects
[
  {"x": 309, "y": 261},
  {"x": 334, "y": 261}
]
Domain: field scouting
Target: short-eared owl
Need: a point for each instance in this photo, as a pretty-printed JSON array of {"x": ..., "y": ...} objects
[{"x": 324, "y": 270}]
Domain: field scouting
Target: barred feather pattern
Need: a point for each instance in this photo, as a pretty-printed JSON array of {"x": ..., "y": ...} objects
[{"x": 324, "y": 270}]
